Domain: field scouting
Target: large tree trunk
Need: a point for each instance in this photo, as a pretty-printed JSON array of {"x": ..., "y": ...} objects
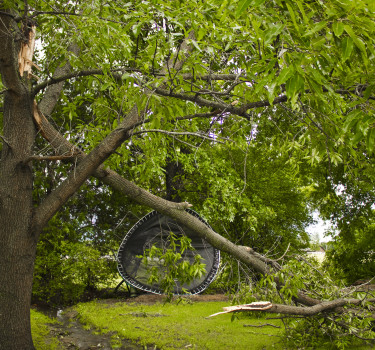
[{"x": 17, "y": 242}]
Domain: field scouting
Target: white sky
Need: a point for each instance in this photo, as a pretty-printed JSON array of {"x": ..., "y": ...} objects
[{"x": 319, "y": 228}]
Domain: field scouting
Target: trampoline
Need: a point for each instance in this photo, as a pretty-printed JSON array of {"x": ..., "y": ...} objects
[{"x": 155, "y": 229}]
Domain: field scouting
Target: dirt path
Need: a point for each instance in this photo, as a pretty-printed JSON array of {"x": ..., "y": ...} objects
[{"x": 72, "y": 334}]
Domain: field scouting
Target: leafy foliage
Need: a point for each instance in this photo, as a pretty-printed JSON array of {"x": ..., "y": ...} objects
[
  {"x": 269, "y": 112},
  {"x": 172, "y": 268},
  {"x": 75, "y": 253},
  {"x": 326, "y": 330},
  {"x": 66, "y": 274}
]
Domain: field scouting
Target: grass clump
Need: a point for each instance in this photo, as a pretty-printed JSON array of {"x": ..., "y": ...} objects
[
  {"x": 172, "y": 326},
  {"x": 41, "y": 332}
]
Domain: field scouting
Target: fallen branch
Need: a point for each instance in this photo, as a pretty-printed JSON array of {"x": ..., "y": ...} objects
[{"x": 325, "y": 306}]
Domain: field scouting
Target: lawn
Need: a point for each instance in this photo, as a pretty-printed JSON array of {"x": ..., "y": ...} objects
[{"x": 183, "y": 326}]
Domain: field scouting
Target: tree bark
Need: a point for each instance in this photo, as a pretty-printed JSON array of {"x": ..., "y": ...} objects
[{"x": 17, "y": 241}]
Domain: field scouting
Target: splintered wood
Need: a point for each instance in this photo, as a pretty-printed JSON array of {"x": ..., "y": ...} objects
[
  {"x": 25, "y": 56},
  {"x": 258, "y": 306}
]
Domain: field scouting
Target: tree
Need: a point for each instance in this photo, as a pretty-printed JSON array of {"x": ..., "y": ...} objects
[{"x": 214, "y": 72}]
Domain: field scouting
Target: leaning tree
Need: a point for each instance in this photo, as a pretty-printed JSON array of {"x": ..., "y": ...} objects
[{"x": 82, "y": 81}]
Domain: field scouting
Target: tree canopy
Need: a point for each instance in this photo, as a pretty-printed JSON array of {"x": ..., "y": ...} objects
[{"x": 252, "y": 111}]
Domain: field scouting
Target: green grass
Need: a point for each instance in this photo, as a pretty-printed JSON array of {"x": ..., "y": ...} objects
[
  {"x": 171, "y": 326},
  {"x": 41, "y": 332}
]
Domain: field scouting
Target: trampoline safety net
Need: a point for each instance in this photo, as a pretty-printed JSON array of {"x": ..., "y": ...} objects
[{"x": 155, "y": 229}]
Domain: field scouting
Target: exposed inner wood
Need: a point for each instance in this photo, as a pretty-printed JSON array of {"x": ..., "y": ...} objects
[{"x": 25, "y": 56}]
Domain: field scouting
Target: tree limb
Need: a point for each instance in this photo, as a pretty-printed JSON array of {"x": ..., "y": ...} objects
[
  {"x": 325, "y": 306},
  {"x": 53, "y": 91},
  {"x": 59, "y": 78},
  {"x": 240, "y": 111},
  {"x": 83, "y": 170}
]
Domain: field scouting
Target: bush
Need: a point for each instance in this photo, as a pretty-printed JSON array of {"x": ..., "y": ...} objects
[{"x": 62, "y": 276}]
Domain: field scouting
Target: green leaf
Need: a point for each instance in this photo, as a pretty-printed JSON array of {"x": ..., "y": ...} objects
[
  {"x": 370, "y": 140},
  {"x": 300, "y": 6},
  {"x": 358, "y": 42},
  {"x": 258, "y": 2},
  {"x": 242, "y": 6},
  {"x": 318, "y": 42},
  {"x": 272, "y": 32},
  {"x": 351, "y": 120},
  {"x": 195, "y": 45},
  {"x": 369, "y": 90},
  {"x": 285, "y": 74},
  {"x": 357, "y": 137},
  {"x": 316, "y": 28},
  {"x": 338, "y": 28},
  {"x": 294, "y": 85},
  {"x": 347, "y": 48},
  {"x": 316, "y": 87},
  {"x": 293, "y": 16}
]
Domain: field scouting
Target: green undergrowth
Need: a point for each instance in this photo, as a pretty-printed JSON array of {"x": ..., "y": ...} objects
[
  {"x": 40, "y": 330},
  {"x": 172, "y": 326}
]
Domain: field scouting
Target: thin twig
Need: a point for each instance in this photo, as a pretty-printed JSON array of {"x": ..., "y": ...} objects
[
  {"x": 172, "y": 133},
  {"x": 244, "y": 170},
  {"x": 269, "y": 335},
  {"x": 287, "y": 248},
  {"x": 52, "y": 158},
  {"x": 354, "y": 289},
  {"x": 37, "y": 13},
  {"x": 261, "y": 325},
  {"x": 300, "y": 257}
]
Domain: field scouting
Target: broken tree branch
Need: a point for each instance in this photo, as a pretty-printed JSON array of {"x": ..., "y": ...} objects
[{"x": 325, "y": 306}]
